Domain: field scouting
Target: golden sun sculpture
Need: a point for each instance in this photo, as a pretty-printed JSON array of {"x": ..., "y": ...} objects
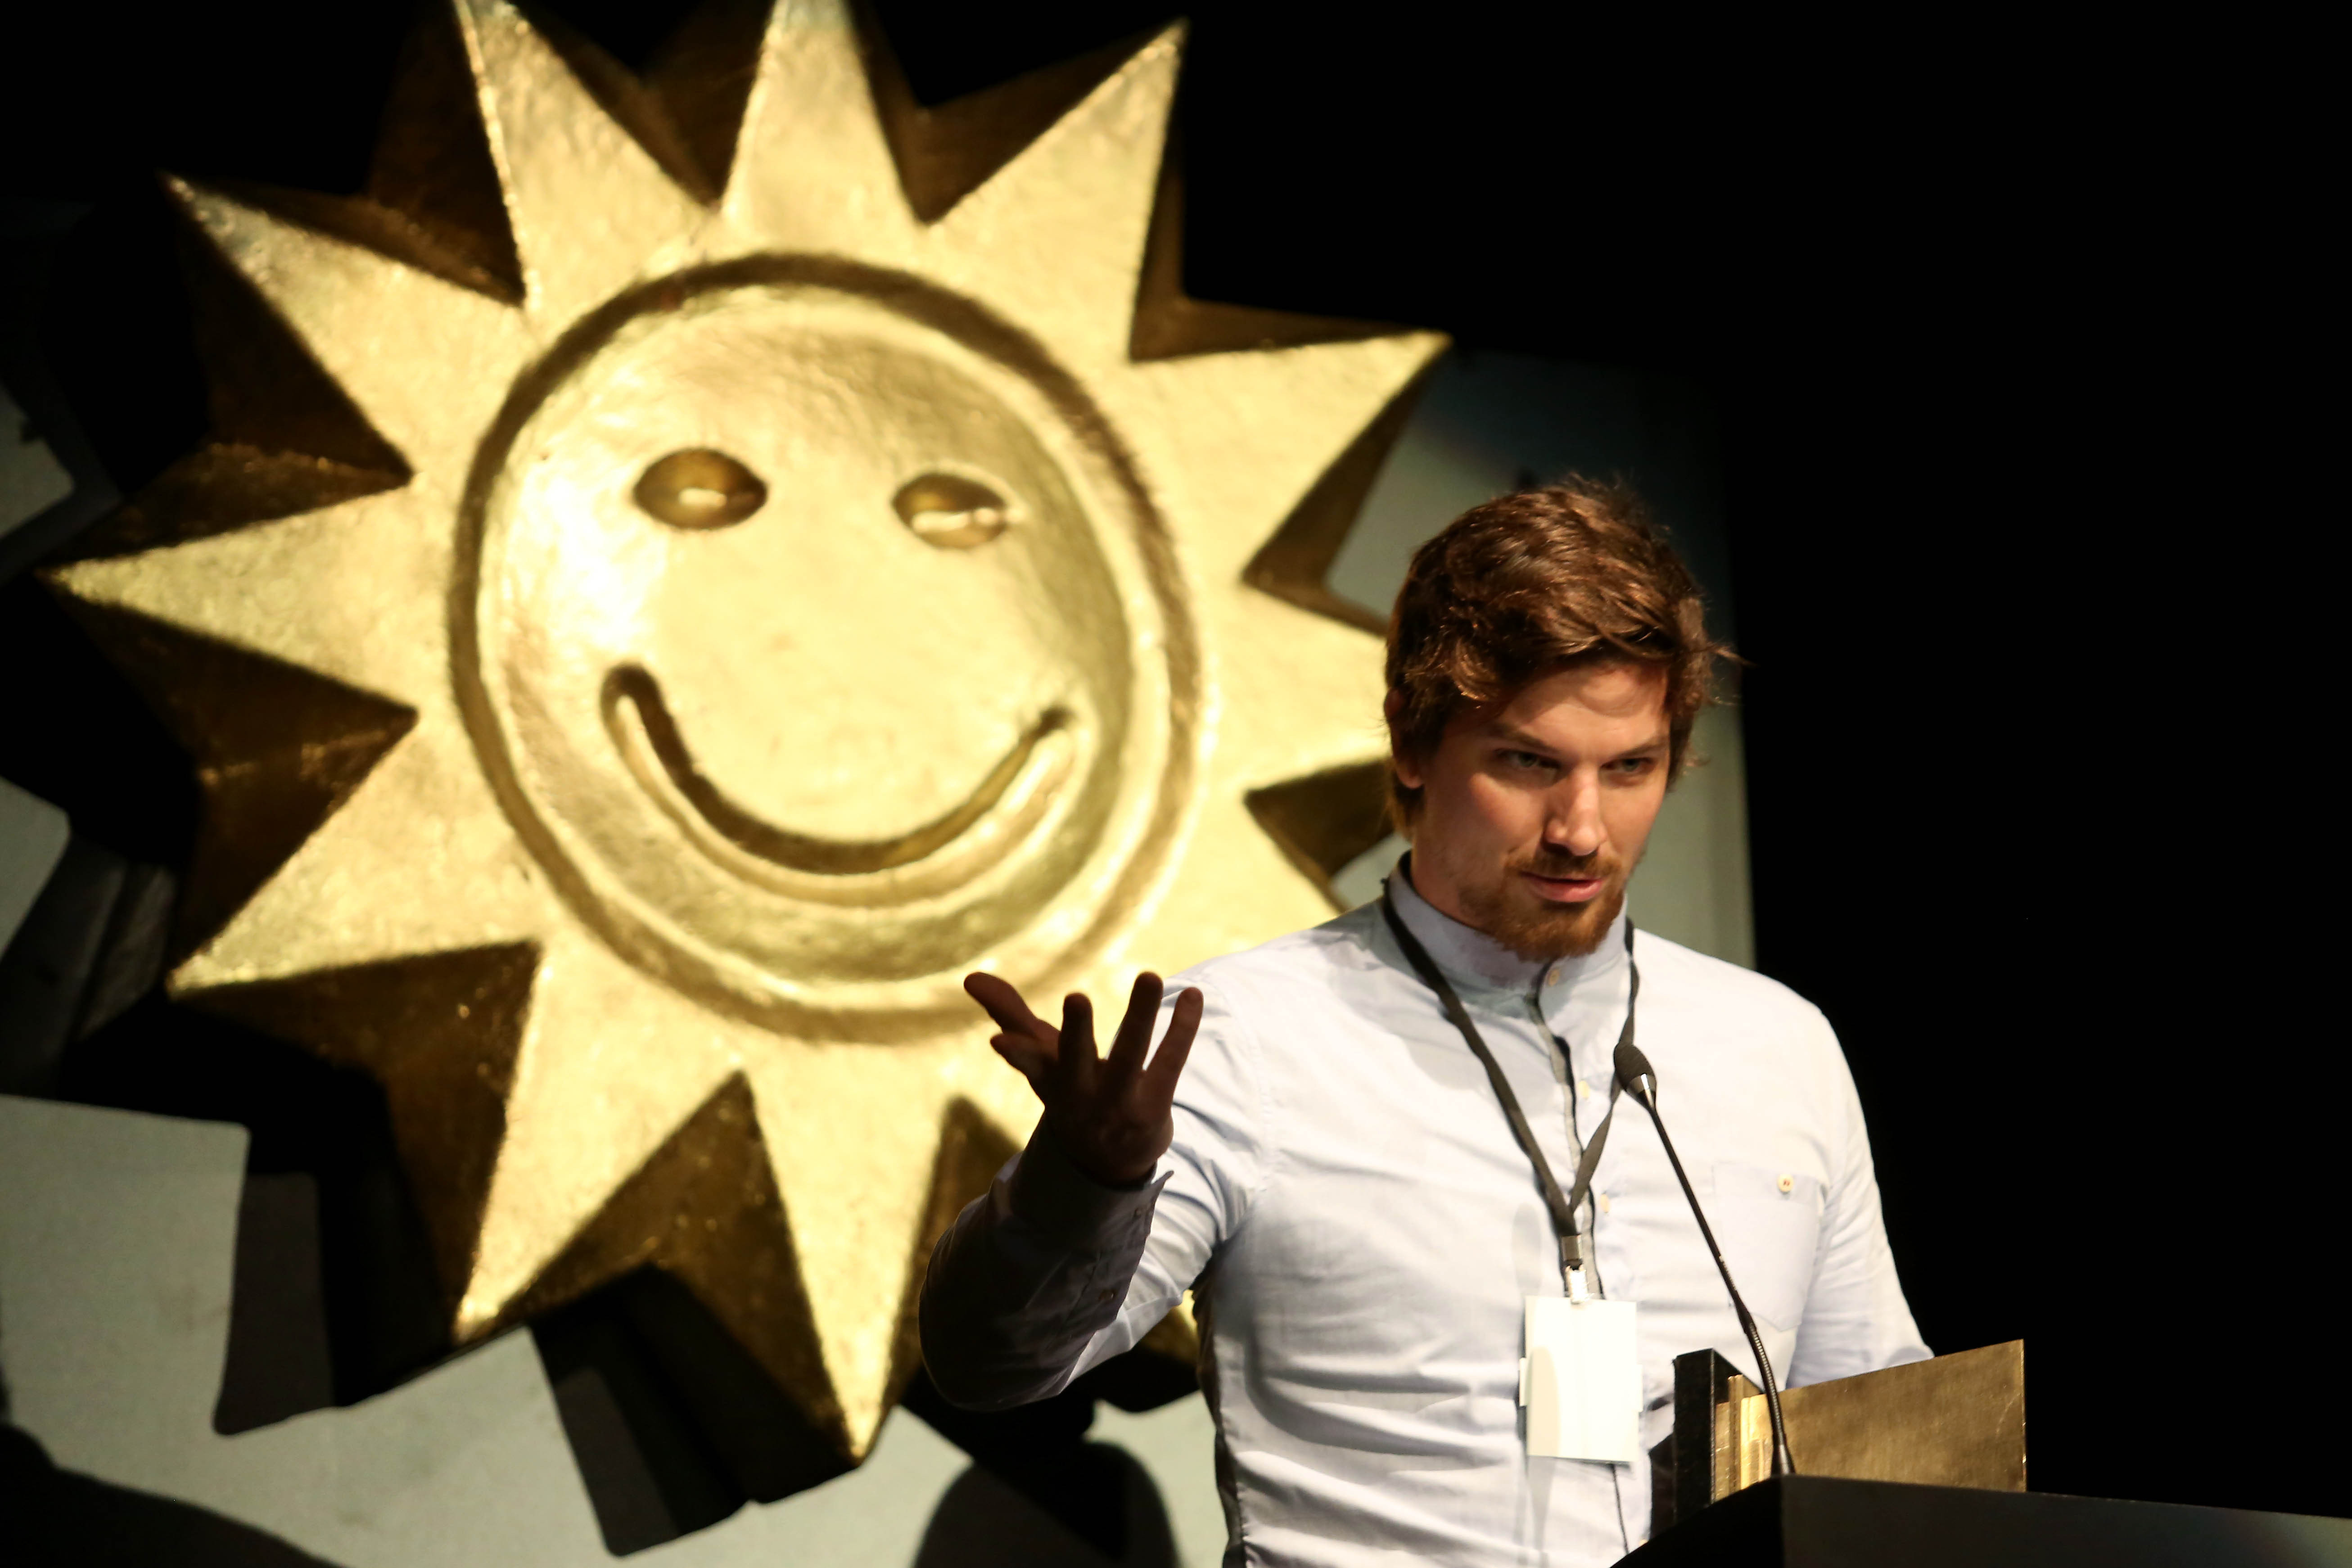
[{"x": 689, "y": 566}]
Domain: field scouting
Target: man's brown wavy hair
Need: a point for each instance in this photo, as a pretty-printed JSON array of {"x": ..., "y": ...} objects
[{"x": 1529, "y": 583}]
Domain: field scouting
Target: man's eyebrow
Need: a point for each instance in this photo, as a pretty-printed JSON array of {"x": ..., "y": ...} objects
[{"x": 1512, "y": 735}]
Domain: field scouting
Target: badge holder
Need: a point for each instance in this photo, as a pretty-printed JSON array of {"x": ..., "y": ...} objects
[{"x": 1580, "y": 1380}]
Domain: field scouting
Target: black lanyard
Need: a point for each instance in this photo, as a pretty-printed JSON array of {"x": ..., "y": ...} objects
[{"x": 1563, "y": 1206}]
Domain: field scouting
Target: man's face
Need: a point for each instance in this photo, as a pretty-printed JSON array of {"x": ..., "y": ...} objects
[{"x": 1535, "y": 813}]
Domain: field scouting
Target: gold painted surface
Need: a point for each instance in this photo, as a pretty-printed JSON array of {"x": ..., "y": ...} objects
[
  {"x": 1955, "y": 1421},
  {"x": 686, "y": 569}
]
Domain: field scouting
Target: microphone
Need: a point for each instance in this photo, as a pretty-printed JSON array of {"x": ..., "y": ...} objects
[{"x": 1638, "y": 1078}]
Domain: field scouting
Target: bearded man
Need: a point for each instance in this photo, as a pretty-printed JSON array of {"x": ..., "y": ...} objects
[{"x": 1355, "y": 1144}]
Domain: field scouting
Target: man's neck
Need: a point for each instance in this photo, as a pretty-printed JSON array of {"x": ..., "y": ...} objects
[{"x": 1437, "y": 892}]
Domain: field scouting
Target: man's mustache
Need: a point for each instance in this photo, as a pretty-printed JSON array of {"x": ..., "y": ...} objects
[{"x": 1576, "y": 867}]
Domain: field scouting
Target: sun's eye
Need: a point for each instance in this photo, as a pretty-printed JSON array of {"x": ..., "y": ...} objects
[
  {"x": 951, "y": 512},
  {"x": 699, "y": 488}
]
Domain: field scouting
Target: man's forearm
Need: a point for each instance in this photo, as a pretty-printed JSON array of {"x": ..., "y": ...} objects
[{"x": 1029, "y": 1274}]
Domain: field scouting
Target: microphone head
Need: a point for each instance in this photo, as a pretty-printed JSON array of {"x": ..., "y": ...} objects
[{"x": 1634, "y": 1072}]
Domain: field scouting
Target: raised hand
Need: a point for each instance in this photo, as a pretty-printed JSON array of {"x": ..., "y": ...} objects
[{"x": 1111, "y": 1114}]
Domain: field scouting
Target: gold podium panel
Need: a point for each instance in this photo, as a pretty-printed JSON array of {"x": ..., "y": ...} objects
[{"x": 1954, "y": 1421}]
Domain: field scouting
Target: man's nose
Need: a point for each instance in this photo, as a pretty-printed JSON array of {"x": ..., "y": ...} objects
[{"x": 1573, "y": 822}]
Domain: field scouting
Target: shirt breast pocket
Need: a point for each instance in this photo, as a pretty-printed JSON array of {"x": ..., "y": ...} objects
[{"x": 1768, "y": 1223}]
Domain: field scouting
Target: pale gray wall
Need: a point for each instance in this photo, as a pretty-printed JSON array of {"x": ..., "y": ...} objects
[
  {"x": 33, "y": 835},
  {"x": 32, "y": 481}
]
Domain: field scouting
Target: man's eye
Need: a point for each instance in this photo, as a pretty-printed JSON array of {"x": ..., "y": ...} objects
[
  {"x": 1634, "y": 767},
  {"x": 1527, "y": 760}
]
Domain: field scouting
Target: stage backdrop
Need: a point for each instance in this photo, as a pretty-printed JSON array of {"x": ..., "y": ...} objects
[{"x": 683, "y": 571}]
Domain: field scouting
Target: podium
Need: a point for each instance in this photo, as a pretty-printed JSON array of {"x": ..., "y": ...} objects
[
  {"x": 1955, "y": 1421},
  {"x": 1921, "y": 1465},
  {"x": 1819, "y": 1521}
]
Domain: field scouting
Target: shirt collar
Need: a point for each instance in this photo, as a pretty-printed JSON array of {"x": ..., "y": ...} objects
[{"x": 1467, "y": 954}]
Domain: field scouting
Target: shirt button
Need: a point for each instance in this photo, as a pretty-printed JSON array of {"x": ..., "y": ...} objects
[
  {"x": 1552, "y": 978},
  {"x": 1787, "y": 1184}
]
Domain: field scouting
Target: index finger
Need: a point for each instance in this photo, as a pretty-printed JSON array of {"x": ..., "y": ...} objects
[{"x": 1005, "y": 1004}]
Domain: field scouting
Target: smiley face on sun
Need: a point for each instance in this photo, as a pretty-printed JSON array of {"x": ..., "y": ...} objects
[
  {"x": 821, "y": 647},
  {"x": 778, "y": 596}
]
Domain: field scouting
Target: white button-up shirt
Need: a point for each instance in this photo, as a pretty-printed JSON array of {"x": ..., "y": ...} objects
[{"x": 1347, "y": 1202}]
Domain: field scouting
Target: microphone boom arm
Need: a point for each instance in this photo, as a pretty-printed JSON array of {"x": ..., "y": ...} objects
[{"x": 1642, "y": 1084}]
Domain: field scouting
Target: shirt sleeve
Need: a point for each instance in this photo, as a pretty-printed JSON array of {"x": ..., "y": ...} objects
[
  {"x": 1856, "y": 1319},
  {"x": 1051, "y": 1273}
]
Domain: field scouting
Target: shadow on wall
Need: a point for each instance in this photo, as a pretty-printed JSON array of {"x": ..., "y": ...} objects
[
  {"x": 984, "y": 1521},
  {"x": 674, "y": 1427},
  {"x": 1043, "y": 1498},
  {"x": 51, "y": 1518}
]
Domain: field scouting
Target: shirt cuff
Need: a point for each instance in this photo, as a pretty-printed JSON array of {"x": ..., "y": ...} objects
[{"x": 1045, "y": 1190}]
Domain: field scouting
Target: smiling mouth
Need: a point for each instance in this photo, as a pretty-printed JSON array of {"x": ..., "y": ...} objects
[{"x": 949, "y": 850}]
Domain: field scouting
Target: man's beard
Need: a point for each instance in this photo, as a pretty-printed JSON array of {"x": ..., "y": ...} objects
[{"x": 1537, "y": 929}]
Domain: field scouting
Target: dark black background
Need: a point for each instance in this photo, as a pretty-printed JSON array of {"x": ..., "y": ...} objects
[{"x": 2009, "y": 329}]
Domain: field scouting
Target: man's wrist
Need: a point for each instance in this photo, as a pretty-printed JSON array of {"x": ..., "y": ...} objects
[
  {"x": 1053, "y": 1192},
  {"x": 1070, "y": 1150}
]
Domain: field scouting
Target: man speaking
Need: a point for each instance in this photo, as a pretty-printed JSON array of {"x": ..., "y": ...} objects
[{"x": 1434, "y": 1330}]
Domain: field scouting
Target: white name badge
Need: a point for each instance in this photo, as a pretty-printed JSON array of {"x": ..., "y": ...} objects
[{"x": 1581, "y": 1380}]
